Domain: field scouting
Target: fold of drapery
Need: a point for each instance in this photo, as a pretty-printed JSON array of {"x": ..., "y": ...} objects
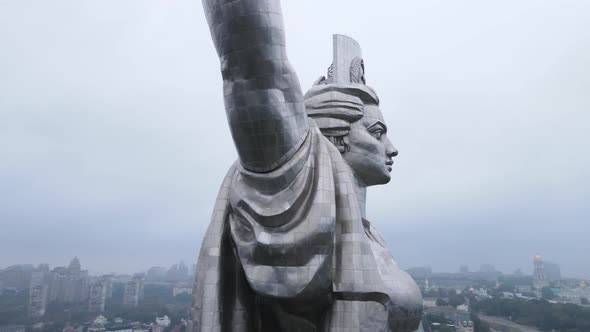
[{"x": 296, "y": 235}]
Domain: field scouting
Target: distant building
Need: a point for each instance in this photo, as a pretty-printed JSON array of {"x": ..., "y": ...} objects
[
  {"x": 156, "y": 274},
  {"x": 523, "y": 288},
  {"x": 182, "y": 289},
  {"x": 161, "y": 324},
  {"x": 574, "y": 295},
  {"x": 178, "y": 272},
  {"x": 98, "y": 324},
  {"x": 75, "y": 267},
  {"x": 508, "y": 295},
  {"x": 97, "y": 298},
  {"x": 101, "y": 320},
  {"x": 98, "y": 294},
  {"x": 539, "y": 278},
  {"x": 486, "y": 272},
  {"x": 12, "y": 328},
  {"x": 109, "y": 287},
  {"x": 73, "y": 329},
  {"x": 481, "y": 293},
  {"x": 183, "y": 270},
  {"x": 163, "y": 321},
  {"x": 122, "y": 328},
  {"x": 552, "y": 271},
  {"x": 69, "y": 284},
  {"x": 43, "y": 267},
  {"x": 96, "y": 328},
  {"x": 464, "y": 269},
  {"x": 487, "y": 268},
  {"x": 133, "y": 292},
  {"x": 17, "y": 276},
  {"x": 420, "y": 272},
  {"x": 37, "y": 295}
]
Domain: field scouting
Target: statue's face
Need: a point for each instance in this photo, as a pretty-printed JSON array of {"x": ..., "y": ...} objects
[{"x": 371, "y": 152}]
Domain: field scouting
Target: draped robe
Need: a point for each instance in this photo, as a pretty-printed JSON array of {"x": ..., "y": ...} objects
[{"x": 289, "y": 250}]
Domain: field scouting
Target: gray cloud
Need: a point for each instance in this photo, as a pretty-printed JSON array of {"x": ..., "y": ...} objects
[{"x": 113, "y": 138}]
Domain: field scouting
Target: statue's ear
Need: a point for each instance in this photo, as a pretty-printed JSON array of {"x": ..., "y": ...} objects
[{"x": 319, "y": 80}]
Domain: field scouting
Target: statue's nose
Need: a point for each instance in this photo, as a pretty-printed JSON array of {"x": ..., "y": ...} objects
[
  {"x": 390, "y": 150},
  {"x": 393, "y": 152}
]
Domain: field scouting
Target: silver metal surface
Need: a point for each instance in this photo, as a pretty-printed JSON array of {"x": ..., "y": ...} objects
[{"x": 289, "y": 247}]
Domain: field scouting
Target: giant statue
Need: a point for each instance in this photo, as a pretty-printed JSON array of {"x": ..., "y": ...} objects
[{"x": 289, "y": 247}]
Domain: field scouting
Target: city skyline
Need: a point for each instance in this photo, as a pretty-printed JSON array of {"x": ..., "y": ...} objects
[
  {"x": 103, "y": 154},
  {"x": 68, "y": 299},
  {"x": 528, "y": 270}
]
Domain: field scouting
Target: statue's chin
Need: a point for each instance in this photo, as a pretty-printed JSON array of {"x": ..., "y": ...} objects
[{"x": 376, "y": 179}]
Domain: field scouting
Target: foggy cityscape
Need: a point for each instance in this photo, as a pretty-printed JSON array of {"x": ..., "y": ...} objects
[
  {"x": 114, "y": 144},
  {"x": 41, "y": 292}
]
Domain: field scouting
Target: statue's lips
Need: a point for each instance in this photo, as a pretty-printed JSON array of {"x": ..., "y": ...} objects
[{"x": 389, "y": 163}]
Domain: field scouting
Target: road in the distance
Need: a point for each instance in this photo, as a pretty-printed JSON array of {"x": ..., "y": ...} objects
[{"x": 505, "y": 322}]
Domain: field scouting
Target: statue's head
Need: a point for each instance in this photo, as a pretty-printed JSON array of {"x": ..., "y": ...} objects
[{"x": 347, "y": 112}]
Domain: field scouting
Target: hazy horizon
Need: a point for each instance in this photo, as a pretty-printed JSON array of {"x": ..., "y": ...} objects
[
  {"x": 96, "y": 272},
  {"x": 114, "y": 140}
]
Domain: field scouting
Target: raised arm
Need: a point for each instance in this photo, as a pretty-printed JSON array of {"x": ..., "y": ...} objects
[{"x": 263, "y": 98}]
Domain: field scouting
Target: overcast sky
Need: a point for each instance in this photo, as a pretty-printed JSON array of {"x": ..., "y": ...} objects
[{"x": 113, "y": 136}]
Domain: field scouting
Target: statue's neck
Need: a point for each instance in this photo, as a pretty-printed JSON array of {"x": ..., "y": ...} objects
[{"x": 361, "y": 193}]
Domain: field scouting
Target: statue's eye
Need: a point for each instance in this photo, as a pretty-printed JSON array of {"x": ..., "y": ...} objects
[{"x": 377, "y": 133}]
